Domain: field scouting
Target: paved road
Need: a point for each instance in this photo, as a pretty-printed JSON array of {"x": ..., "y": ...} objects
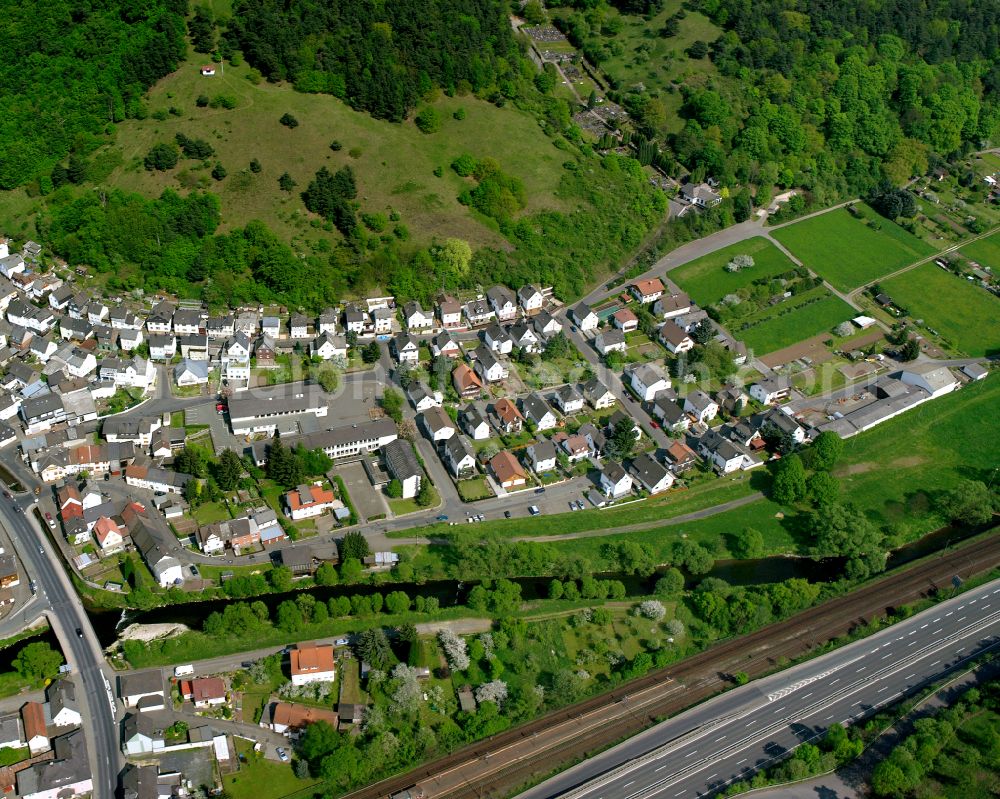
[
  {"x": 83, "y": 652},
  {"x": 702, "y": 750}
]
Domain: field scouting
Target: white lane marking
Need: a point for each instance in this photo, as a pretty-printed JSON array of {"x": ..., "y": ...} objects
[
  {"x": 937, "y": 631},
  {"x": 710, "y": 776},
  {"x": 961, "y": 618},
  {"x": 936, "y": 620},
  {"x": 660, "y": 768},
  {"x": 912, "y": 632},
  {"x": 752, "y": 723},
  {"x": 986, "y": 604},
  {"x": 628, "y": 783},
  {"x": 862, "y": 668},
  {"x": 911, "y": 643},
  {"x": 961, "y": 607},
  {"x": 889, "y": 654},
  {"x": 935, "y": 662},
  {"x": 680, "y": 793},
  {"x": 779, "y": 710},
  {"x": 721, "y": 738},
  {"x": 972, "y": 602},
  {"x": 910, "y": 675},
  {"x": 744, "y": 760},
  {"x": 691, "y": 753},
  {"x": 828, "y": 717},
  {"x": 806, "y": 696},
  {"x": 959, "y": 650},
  {"x": 883, "y": 688},
  {"x": 923, "y": 626},
  {"x": 952, "y": 613},
  {"x": 835, "y": 681}
]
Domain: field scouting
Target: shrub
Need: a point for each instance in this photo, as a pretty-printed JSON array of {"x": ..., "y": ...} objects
[
  {"x": 162, "y": 156},
  {"x": 428, "y": 120},
  {"x": 288, "y": 121}
]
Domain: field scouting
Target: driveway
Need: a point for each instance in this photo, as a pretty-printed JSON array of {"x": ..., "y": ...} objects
[{"x": 366, "y": 499}]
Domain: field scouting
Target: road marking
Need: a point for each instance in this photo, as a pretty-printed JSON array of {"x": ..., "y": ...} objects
[
  {"x": 660, "y": 768},
  {"x": 680, "y": 793},
  {"x": 779, "y": 710},
  {"x": 911, "y": 643},
  {"x": 828, "y": 717},
  {"x": 710, "y": 776},
  {"x": 935, "y": 662},
  {"x": 960, "y": 650},
  {"x": 744, "y": 760},
  {"x": 936, "y": 620},
  {"x": 961, "y": 618},
  {"x": 628, "y": 783},
  {"x": 986, "y": 604},
  {"x": 961, "y": 607},
  {"x": 952, "y": 613},
  {"x": 722, "y": 738},
  {"x": 835, "y": 681},
  {"x": 937, "y": 631},
  {"x": 910, "y": 675},
  {"x": 973, "y": 601},
  {"x": 883, "y": 688},
  {"x": 862, "y": 668},
  {"x": 912, "y": 632},
  {"x": 752, "y": 723},
  {"x": 806, "y": 696},
  {"x": 693, "y": 752},
  {"x": 889, "y": 654},
  {"x": 923, "y": 626}
]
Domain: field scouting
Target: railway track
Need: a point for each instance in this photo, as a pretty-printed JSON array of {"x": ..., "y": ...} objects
[{"x": 479, "y": 771}]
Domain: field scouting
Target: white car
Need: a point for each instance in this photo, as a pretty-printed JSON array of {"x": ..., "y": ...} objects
[{"x": 282, "y": 755}]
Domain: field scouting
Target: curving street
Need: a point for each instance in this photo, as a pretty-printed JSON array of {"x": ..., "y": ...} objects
[{"x": 701, "y": 751}]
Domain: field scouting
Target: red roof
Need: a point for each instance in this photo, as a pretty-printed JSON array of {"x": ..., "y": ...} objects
[
  {"x": 206, "y": 688},
  {"x": 308, "y": 658},
  {"x": 319, "y": 496},
  {"x": 33, "y": 717},
  {"x": 646, "y": 287},
  {"x": 626, "y": 315}
]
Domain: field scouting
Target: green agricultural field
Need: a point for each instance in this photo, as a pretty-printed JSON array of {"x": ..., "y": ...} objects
[
  {"x": 814, "y": 311},
  {"x": 986, "y": 252},
  {"x": 393, "y": 163},
  {"x": 846, "y": 251},
  {"x": 965, "y": 314},
  {"x": 707, "y": 281}
]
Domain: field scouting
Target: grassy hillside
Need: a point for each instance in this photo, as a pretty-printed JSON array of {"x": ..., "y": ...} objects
[{"x": 394, "y": 163}]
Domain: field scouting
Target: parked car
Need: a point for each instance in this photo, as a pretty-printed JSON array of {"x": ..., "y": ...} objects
[
  {"x": 282, "y": 755},
  {"x": 442, "y": 518},
  {"x": 50, "y": 520},
  {"x": 539, "y": 490},
  {"x": 533, "y": 510},
  {"x": 506, "y": 514}
]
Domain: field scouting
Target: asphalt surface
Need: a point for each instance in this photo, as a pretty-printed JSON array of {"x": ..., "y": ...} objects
[
  {"x": 82, "y": 650},
  {"x": 701, "y": 751}
]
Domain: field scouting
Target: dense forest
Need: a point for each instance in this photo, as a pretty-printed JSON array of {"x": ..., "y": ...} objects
[
  {"x": 379, "y": 57},
  {"x": 826, "y": 96},
  {"x": 71, "y": 68}
]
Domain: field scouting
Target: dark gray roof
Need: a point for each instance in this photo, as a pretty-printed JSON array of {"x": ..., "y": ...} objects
[
  {"x": 69, "y": 766},
  {"x": 401, "y": 460}
]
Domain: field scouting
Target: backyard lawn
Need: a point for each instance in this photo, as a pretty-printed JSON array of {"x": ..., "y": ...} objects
[
  {"x": 262, "y": 779},
  {"x": 986, "y": 252},
  {"x": 965, "y": 314},
  {"x": 797, "y": 318},
  {"x": 706, "y": 280},
  {"x": 846, "y": 251}
]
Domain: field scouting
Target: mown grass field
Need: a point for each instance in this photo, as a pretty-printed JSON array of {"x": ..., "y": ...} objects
[
  {"x": 986, "y": 252},
  {"x": 965, "y": 314},
  {"x": 706, "y": 280},
  {"x": 394, "y": 168},
  {"x": 846, "y": 251},
  {"x": 812, "y": 312}
]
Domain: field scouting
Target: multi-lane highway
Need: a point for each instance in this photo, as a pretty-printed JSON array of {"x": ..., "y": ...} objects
[
  {"x": 79, "y": 643},
  {"x": 699, "y": 752}
]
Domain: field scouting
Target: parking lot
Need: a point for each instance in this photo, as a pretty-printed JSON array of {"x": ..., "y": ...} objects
[{"x": 366, "y": 499}]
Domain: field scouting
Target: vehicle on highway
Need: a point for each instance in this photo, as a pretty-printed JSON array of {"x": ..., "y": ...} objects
[
  {"x": 442, "y": 518},
  {"x": 506, "y": 514},
  {"x": 31, "y": 585},
  {"x": 79, "y": 632},
  {"x": 50, "y": 520},
  {"x": 539, "y": 490},
  {"x": 533, "y": 510},
  {"x": 41, "y": 550},
  {"x": 246, "y": 664},
  {"x": 282, "y": 755},
  {"x": 654, "y": 425}
]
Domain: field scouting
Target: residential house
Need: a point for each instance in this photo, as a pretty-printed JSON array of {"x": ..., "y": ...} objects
[
  {"x": 355, "y": 320},
  {"x": 784, "y": 423},
  {"x": 108, "y": 535},
  {"x": 140, "y": 736},
  {"x": 503, "y": 302},
  {"x": 59, "y": 299},
  {"x": 505, "y": 416},
  {"x": 63, "y": 708},
  {"x": 153, "y": 539},
  {"x": 546, "y": 325},
  {"x": 130, "y": 338},
  {"x": 680, "y": 457},
  {"x": 537, "y": 411},
  {"x": 732, "y": 400},
  {"x": 525, "y": 337},
  {"x": 725, "y": 455},
  {"x": 327, "y": 322},
  {"x": 443, "y": 345},
  {"x": 569, "y": 400},
  {"x": 121, "y": 318},
  {"x": 585, "y": 318},
  {"x": 467, "y": 383},
  {"x": 670, "y": 414},
  {"x": 162, "y": 347},
  {"x": 647, "y": 380},
  {"x": 40, "y": 413},
  {"x": 292, "y": 719},
  {"x": 270, "y": 326},
  {"x": 75, "y": 329},
  {"x": 474, "y": 423},
  {"x": 675, "y": 338},
  {"x": 701, "y": 406},
  {"x": 189, "y": 322},
  {"x": 325, "y": 346},
  {"x": 478, "y": 312},
  {"x": 65, "y": 776},
  {"x": 133, "y": 373},
  {"x": 615, "y": 482},
  {"x": 507, "y": 470},
  {"x": 576, "y": 447},
  {"x": 406, "y": 348},
  {"x": 156, "y": 479},
  {"x": 598, "y": 395},
  {"x": 651, "y": 474},
  {"x": 610, "y": 341},
  {"x": 416, "y": 318},
  {"x": 422, "y": 398},
  {"x": 543, "y": 455},
  {"x": 382, "y": 321},
  {"x": 206, "y": 692},
  {"x": 403, "y": 465},
  {"x": 490, "y": 368},
  {"x": 670, "y": 306},
  {"x": 161, "y": 319},
  {"x": 265, "y": 352},
  {"x": 235, "y": 360},
  {"x": 700, "y": 195},
  {"x": 137, "y": 686},
  {"x": 625, "y": 320},
  {"x": 42, "y": 347},
  {"x": 437, "y": 424},
  {"x": 620, "y": 416},
  {"x": 450, "y": 312},
  {"x": 458, "y": 457},
  {"x": 498, "y": 339},
  {"x": 69, "y": 502},
  {"x": 311, "y": 663},
  {"x": 530, "y": 299},
  {"x": 33, "y": 722},
  {"x": 10, "y": 731},
  {"x": 771, "y": 390},
  {"x": 647, "y": 291},
  {"x": 222, "y": 327},
  {"x": 191, "y": 373},
  {"x": 309, "y": 501}
]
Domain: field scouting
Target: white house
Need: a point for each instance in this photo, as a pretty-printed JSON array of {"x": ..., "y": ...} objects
[
  {"x": 647, "y": 291},
  {"x": 458, "y": 457},
  {"x": 136, "y": 686},
  {"x": 309, "y": 501},
  {"x": 542, "y": 455},
  {"x": 474, "y": 423},
  {"x": 130, "y": 338},
  {"x": 672, "y": 305},
  {"x": 403, "y": 465},
  {"x": 651, "y": 474},
  {"x": 503, "y": 302},
  {"x": 647, "y": 380},
  {"x": 498, "y": 339},
  {"x": 546, "y": 325},
  {"x": 538, "y": 411},
  {"x": 437, "y": 424},
  {"x": 444, "y": 345},
  {"x": 598, "y": 394},
  {"x": 162, "y": 347},
  {"x": 771, "y": 390},
  {"x": 569, "y": 400},
  {"x": 191, "y": 373},
  {"x": 63, "y": 708},
  {"x": 701, "y": 406},
  {"x": 406, "y": 348},
  {"x": 935, "y": 380},
  {"x": 422, "y": 398},
  {"x": 610, "y": 341},
  {"x": 490, "y": 368},
  {"x": 312, "y": 663},
  {"x": 585, "y": 318},
  {"x": 615, "y": 481},
  {"x": 416, "y": 318},
  {"x": 530, "y": 298},
  {"x": 327, "y": 346},
  {"x": 675, "y": 338},
  {"x": 525, "y": 337}
]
